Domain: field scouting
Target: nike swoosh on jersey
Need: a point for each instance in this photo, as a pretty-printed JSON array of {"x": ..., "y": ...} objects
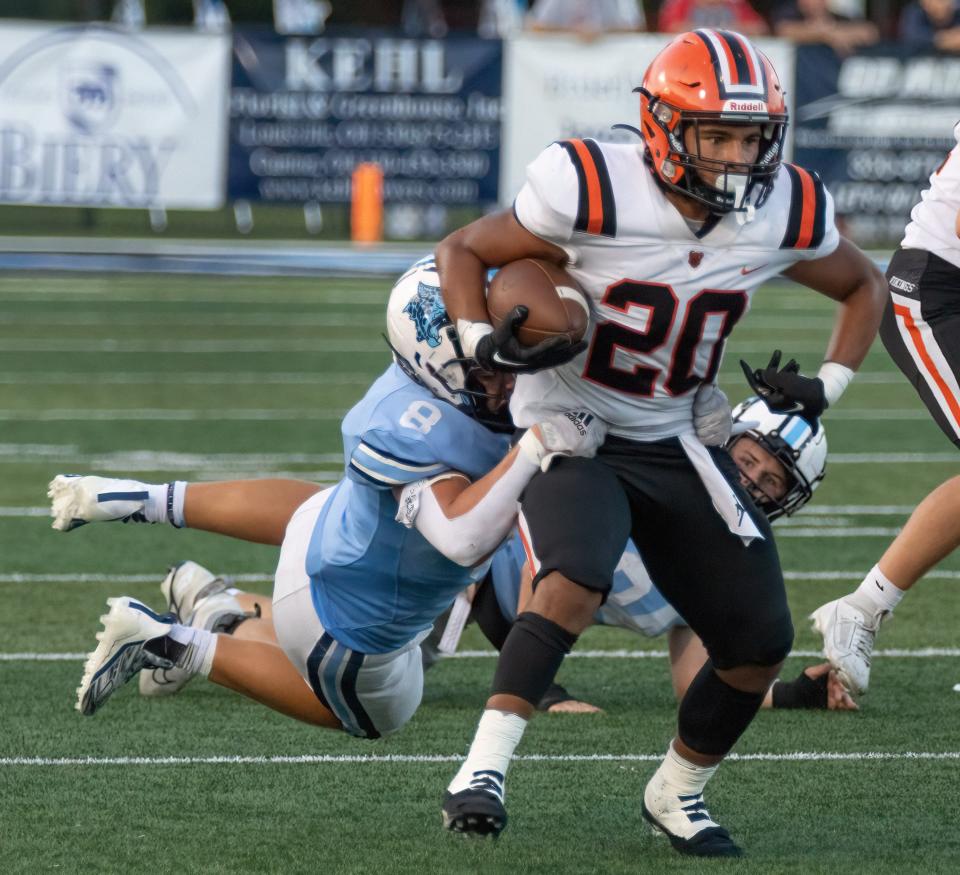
[{"x": 745, "y": 270}]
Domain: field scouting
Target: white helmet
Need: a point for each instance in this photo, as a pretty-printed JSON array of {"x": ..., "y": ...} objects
[
  {"x": 426, "y": 345},
  {"x": 799, "y": 446}
]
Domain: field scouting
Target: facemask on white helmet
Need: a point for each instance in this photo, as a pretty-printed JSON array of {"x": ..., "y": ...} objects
[{"x": 792, "y": 441}]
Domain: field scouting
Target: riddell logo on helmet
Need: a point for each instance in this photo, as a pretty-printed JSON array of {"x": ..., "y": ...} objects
[{"x": 744, "y": 106}]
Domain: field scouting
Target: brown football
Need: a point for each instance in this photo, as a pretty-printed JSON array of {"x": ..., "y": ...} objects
[{"x": 557, "y": 303}]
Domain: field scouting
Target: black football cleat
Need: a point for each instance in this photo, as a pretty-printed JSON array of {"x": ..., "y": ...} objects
[
  {"x": 474, "y": 812},
  {"x": 694, "y": 832}
]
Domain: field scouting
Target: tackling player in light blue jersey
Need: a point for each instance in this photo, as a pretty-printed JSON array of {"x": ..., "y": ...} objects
[{"x": 430, "y": 491}]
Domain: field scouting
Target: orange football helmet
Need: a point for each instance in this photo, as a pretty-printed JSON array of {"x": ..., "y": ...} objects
[{"x": 715, "y": 76}]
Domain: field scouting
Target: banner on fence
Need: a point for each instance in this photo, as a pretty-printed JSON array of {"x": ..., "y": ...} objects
[
  {"x": 559, "y": 86},
  {"x": 305, "y": 111},
  {"x": 875, "y": 125},
  {"x": 101, "y": 117}
]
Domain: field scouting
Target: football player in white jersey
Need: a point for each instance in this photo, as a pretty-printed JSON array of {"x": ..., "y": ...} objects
[
  {"x": 670, "y": 240},
  {"x": 781, "y": 460},
  {"x": 921, "y": 331}
]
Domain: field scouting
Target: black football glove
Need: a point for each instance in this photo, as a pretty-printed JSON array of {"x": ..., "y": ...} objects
[
  {"x": 501, "y": 351},
  {"x": 786, "y": 390}
]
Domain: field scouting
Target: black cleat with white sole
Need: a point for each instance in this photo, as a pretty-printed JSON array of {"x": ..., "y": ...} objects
[
  {"x": 474, "y": 812},
  {"x": 712, "y": 841}
]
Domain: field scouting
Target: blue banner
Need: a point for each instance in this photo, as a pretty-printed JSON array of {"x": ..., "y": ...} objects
[
  {"x": 875, "y": 125},
  {"x": 306, "y": 110}
]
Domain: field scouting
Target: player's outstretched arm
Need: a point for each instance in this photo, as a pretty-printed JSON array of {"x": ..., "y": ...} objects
[
  {"x": 850, "y": 278},
  {"x": 817, "y": 686},
  {"x": 467, "y": 521}
]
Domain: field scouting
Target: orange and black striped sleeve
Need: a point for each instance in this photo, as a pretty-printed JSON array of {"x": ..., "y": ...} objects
[
  {"x": 806, "y": 222},
  {"x": 596, "y": 208}
]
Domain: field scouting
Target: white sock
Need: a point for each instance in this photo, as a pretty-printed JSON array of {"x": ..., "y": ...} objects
[
  {"x": 498, "y": 734},
  {"x": 201, "y": 646},
  {"x": 686, "y": 778},
  {"x": 164, "y": 502},
  {"x": 876, "y": 595}
]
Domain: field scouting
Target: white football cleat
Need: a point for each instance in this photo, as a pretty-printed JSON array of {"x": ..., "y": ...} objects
[
  {"x": 198, "y": 598},
  {"x": 76, "y": 500},
  {"x": 186, "y": 585},
  {"x": 121, "y": 653},
  {"x": 848, "y": 638},
  {"x": 685, "y": 821}
]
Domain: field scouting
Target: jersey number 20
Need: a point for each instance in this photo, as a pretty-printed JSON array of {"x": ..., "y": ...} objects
[{"x": 662, "y": 305}]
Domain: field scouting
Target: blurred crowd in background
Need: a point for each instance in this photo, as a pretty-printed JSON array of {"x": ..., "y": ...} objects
[{"x": 845, "y": 25}]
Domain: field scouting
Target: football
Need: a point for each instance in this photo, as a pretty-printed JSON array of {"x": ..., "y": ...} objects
[{"x": 557, "y": 303}]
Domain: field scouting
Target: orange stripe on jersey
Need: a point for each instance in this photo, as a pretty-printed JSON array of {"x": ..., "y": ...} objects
[
  {"x": 921, "y": 348},
  {"x": 809, "y": 209},
  {"x": 594, "y": 201}
]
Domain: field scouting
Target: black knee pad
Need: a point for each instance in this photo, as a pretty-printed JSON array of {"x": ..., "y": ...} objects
[
  {"x": 576, "y": 520},
  {"x": 768, "y": 642},
  {"x": 531, "y": 655},
  {"x": 713, "y": 715}
]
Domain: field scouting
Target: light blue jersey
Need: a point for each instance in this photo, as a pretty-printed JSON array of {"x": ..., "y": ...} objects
[
  {"x": 634, "y": 603},
  {"x": 376, "y": 584}
]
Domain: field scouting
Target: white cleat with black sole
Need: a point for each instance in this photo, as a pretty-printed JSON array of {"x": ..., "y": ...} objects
[
  {"x": 196, "y": 597},
  {"x": 684, "y": 820},
  {"x": 848, "y": 639},
  {"x": 128, "y": 628},
  {"x": 76, "y": 501}
]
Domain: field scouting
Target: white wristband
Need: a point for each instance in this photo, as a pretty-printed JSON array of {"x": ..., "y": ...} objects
[
  {"x": 836, "y": 378},
  {"x": 471, "y": 333}
]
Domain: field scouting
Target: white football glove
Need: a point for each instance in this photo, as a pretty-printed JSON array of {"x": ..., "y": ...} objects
[
  {"x": 574, "y": 433},
  {"x": 712, "y": 415}
]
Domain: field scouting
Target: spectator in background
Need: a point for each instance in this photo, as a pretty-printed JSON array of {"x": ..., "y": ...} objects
[
  {"x": 813, "y": 21},
  {"x": 926, "y": 25},
  {"x": 587, "y": 18},
  {"x": 679, "y": 16}
]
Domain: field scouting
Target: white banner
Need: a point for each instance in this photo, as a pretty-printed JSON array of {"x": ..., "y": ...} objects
[
  {"x": 558, "y": 86},
  {"x": 101, "y": 117}
]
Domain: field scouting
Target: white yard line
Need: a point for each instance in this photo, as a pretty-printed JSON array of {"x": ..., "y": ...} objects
[
  {"x": 156, "y": 576},
  {"x": 189, "y": 347},
  {"x": 818, "y": 515},
  {"x": 830, "y": 532},
  {"x": 162, "y": 414},
  {"x": 890, "y": 458},
  {"x": 197, "y": 378},
  {"x": 888, "y": 653},
  {"x": 383, "y": 759},
  {"x": 305, "y": 414}
]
